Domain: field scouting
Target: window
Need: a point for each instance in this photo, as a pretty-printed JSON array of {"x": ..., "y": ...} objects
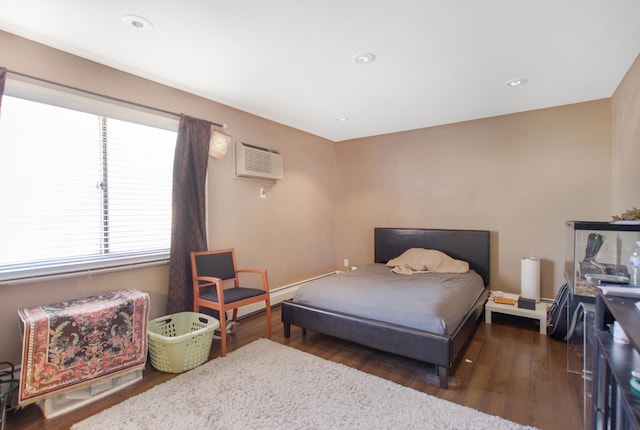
[{"x": 80, "y": 191}]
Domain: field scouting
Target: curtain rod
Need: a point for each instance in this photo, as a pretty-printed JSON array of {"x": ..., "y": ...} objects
[{"x": 104, "y": 96}]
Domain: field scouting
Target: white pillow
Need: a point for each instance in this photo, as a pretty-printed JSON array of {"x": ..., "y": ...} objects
[{"x": 417, "y": 260}]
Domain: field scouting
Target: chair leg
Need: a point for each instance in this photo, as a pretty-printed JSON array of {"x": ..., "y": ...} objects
[
  {"x": 223, "y": 333},
  {"x": 268, "y": 321}
]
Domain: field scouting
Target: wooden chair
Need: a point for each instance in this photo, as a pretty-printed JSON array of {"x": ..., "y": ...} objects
[{"x": 212, "y": 270}]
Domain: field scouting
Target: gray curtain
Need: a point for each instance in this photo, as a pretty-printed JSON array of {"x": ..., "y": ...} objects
[
  {"x": 188, "y": 229},
  {"x": 3, "y": 78}
]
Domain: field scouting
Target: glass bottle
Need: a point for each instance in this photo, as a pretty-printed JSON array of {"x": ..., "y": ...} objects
[{"x": 634, "y": 262}]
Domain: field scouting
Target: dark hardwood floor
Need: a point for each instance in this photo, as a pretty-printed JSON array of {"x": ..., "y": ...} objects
[{"x": 508, "y": 369}]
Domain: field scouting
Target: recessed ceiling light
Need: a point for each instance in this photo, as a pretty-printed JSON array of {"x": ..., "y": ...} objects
[
  {"x": 364, "y": 58},
  {"x": 137, "y": 22},
  {"x": 516, "y": 82},
  {"x": 342, "y": 118}
]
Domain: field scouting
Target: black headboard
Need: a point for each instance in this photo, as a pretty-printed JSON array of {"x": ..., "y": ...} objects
[{"x": 472, "y": 246}]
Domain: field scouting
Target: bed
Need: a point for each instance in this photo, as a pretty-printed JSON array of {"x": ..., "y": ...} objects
[{"x": 431, "y": 339}]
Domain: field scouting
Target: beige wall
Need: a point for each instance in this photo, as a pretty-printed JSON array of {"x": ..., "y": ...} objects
[
  {"x": 519, "y": 176},
  {"x": 290, "y": 233},
  {"x": 625, "y": 111}
]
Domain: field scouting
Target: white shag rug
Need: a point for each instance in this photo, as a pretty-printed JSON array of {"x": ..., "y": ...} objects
[{"x": 266, "y": 385}]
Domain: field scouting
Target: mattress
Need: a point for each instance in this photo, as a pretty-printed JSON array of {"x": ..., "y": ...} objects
[{"x": 431, "y": 302}]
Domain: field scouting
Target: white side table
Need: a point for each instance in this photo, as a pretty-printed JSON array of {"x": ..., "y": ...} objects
[{"x": 540, "y": 312}]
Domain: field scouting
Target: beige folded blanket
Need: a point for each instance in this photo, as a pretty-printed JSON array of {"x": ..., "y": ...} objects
[{"x": 420, "y": 260}]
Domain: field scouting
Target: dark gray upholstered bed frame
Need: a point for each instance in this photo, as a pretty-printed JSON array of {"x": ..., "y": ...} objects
[{"x": 469, "y": 245}]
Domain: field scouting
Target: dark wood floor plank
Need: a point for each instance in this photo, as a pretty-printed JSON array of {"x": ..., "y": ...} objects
[
  {"x": 501, "y": 369},
  {"x": 474, "y": 390},
  {"x": 518, "y": 395},
  {"x": 565, "y": 413},
  {"x": 541, "y": 403},
  {"x": 493, "y": 404},
  {"x": 508, "y": 369},
  {"x": 521, "y": 366}
]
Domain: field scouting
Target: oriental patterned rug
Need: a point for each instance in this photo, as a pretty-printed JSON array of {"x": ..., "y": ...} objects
[
  {"x": 76, "y": 343},
  {"x": 266, "y": 385}
]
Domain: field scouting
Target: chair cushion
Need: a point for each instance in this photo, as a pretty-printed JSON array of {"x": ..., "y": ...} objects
[{"x": 233, "y": 294}]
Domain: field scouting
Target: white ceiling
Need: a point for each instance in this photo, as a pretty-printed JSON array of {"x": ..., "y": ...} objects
[{"x": 291, "y": 61}]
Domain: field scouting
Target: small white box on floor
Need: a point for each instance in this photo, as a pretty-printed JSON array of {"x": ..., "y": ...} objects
[{"x": 67, "y": 402}]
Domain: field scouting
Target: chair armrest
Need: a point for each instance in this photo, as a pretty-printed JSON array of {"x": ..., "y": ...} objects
[
  {"x": 265, "y": 280},
  {"x": 208, "y": 281},
  {"x": 251, "y": 271},
  {"x": 211, "y": 281}
]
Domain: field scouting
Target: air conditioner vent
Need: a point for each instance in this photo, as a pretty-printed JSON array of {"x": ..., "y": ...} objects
[{"x": 256, "y": 162}]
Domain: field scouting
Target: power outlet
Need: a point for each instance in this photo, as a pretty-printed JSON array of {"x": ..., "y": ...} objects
[{"x": 346, "y": 262}]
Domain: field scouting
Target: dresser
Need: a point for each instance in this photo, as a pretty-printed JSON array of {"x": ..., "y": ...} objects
[{"x": 614, "y": 404}]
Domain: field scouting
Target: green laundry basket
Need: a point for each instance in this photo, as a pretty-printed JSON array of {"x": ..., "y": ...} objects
[{"x": 180, "y": 342}]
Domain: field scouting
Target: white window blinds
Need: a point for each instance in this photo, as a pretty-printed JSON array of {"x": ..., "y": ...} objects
[{"x": 80, "y": 191}]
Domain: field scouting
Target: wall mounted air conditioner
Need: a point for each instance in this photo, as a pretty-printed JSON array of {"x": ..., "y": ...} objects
[{"x": 256, "y": 162}]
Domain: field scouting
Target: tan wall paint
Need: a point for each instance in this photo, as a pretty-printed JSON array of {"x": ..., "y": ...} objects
[
  {"x": 625, "y": 111},
  {"x": 290, "y": 233},
  {"x": 520, "y": 176}
]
